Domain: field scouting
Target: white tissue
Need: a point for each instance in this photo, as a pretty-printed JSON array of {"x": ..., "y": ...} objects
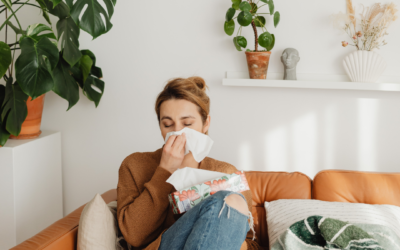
[
  {"x": 198, "y": 143},
  {"x": 187, "y": 177}
]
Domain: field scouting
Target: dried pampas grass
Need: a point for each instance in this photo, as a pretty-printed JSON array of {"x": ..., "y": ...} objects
[
  {"x": 367, "y": 30},
  {"x": 351, "y": 12}
]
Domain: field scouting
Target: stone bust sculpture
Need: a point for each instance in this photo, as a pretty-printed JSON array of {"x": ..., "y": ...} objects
[{"x": 290, "y": 57}]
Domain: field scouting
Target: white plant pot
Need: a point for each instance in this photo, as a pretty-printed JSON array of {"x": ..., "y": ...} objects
[{"x": 364, "y": 66}]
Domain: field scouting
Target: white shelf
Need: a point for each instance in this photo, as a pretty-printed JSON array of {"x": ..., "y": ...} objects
[
  {"x": 311, "y": 81},
  {"x": 30, "y": 187}
]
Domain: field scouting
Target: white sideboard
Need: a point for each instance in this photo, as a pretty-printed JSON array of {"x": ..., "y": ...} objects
[{"x": 30, "y": 187}]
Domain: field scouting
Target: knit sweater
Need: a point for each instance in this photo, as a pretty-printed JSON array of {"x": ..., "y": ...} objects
[{"x": 143, "y": 211}]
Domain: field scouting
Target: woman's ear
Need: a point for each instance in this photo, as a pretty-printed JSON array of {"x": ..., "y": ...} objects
[{"x": 207, "y": 124}]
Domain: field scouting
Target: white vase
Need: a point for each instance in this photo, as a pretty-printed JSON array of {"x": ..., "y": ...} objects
[{"x": 364, "y": 66}]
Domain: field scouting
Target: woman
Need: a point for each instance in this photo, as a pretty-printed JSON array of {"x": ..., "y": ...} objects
[{"x": 144, "y": 214}]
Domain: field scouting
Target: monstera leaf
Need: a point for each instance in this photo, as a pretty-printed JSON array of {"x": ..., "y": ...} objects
[
  {"x": 68, "y": 34},
  {"x": 93, "y": 89},
  {"x": 34, "y": 66},
  {"x": 14, "y": 107},
  {"x": 5, "y": 58},
  {"x": 35, "y": 31},
  {"x": 4, "y": 135},
  {"x": 91, "y": 20},
  {"x": 88, "y": 75},
  {"x": 64, "y": 84},
  {"x": 86, "y": 66},
  {"x": 96, "y": 71}
]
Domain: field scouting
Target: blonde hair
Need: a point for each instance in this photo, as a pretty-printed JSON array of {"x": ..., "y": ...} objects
[{"x": 192, "y": 89}]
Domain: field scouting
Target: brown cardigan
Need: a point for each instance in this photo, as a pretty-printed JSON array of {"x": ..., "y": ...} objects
[{"x": 143, "y": 208}]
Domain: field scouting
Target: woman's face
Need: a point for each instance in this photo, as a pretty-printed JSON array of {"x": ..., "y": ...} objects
[{"x": 176, "y": 114}]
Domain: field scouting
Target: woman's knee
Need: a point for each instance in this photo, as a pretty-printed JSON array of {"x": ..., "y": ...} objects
[{"x": 237, "y": 202}]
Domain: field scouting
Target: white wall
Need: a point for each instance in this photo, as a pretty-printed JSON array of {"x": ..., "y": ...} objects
[{"x": 269, "y": 129}]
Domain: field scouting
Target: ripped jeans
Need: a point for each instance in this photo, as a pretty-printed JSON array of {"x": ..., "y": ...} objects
[{"x": 211, "y": 224}]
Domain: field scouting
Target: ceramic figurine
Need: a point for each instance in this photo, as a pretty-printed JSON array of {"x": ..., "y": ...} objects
[{"x": 290, "y": 57}]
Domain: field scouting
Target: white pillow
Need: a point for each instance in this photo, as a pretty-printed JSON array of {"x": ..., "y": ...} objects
[
  {"x": 281, "y": 214},
  {"x": 97, "y": 226}
]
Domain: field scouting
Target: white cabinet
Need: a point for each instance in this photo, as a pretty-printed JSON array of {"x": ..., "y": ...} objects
[{"x": 30, "y": 187}]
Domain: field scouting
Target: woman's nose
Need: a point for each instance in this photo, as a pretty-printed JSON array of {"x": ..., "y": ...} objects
[{"x": 178, "y": 128}]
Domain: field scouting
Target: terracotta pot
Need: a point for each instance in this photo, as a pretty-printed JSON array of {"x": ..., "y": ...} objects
[
  {"x": 31, "y": 126},
  {"x": 258, "y": 64}
]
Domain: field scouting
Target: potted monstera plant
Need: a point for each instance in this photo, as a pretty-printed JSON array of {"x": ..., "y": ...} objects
[
  {"x": 249, "y": 13},
  {"x": 49, "y": 61}
]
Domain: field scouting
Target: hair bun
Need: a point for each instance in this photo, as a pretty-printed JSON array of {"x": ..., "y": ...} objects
[{"x": 199, "y": 82}]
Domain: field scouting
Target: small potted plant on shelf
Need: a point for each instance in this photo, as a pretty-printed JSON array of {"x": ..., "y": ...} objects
[
  {"x": 249, "y": 13},
  {"x": 42, "y": 67},
  {"x": 366, "y": 31}
]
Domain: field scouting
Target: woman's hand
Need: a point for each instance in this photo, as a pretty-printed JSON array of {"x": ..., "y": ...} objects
[{"x": 173, "y": 153}]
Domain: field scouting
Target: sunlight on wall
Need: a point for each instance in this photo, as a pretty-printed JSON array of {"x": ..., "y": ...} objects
[
  {"x": 304, "y": 144},
  {"x": 276, "y": 156},
  {"x": 245, "y": 158},
  {"x": 367, "y": 119},
  {"x": 328, "y": 154}
]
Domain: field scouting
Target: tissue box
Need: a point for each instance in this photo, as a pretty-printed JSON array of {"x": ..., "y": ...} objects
[{"x": 183, "y": 200}]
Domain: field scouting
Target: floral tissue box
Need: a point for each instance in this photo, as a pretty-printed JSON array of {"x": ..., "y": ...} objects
[{"x": 183, "y": 200}]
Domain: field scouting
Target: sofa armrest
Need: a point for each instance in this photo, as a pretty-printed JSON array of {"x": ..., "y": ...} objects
[{"x": 61, "y": 235}]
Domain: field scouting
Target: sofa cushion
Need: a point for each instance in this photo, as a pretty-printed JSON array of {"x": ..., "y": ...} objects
[
  {"x": 357, "y": 187},
  {"x": 97, "y": 226},
  {"x": 270, "y": 186}
]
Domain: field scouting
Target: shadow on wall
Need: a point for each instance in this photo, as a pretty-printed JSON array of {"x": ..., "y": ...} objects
[{"x": 310, "y": 143}]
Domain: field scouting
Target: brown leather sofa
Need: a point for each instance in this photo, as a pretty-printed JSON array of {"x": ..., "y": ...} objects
[{"x": 328, "y": 185}]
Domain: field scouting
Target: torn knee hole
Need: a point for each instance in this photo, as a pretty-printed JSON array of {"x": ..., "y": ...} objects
[{"x": 237, "y": 202}]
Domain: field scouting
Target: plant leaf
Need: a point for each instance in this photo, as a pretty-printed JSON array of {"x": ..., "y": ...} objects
[
  {"x": 64, "y": 84},
  {"x": 14, "y": 107},
  {"x": 235, "y": 4},
  {"x": 5, "y": 58},
  {"x": 45, "y": 14},
  {"x": 265, "y": 39},
  {"x": 96, "y": 71},
  {"x": 34, "y": 30},
  {"x": 229, "y": 27},
  {"x": 259, "y": 21},
  {"x": 272, "y": 44},
  {"x": 61, "y": 10},
  {"x": 91, "y": 20},
  {"x": 92, "y": 94},
  {"x": 7, "y": 3},
  {"x": 68, "y": 34},
  {"x": 239, "y": 42},
  {"x": 90, "y": 54},
  {"x": 4, "y": 135},
  {"x": 277, "y": 18},
  {"x": 236, "y": 44},
  {"x": 271, "y": 7},
  {"x": 34, "y": 66},
  {"x": 70, "y": 3},
  {"x": 86, "y": 65},
  {"x": 265, "y": 1},
  {"x": 245, "y": 6},
  {"x": 245, "y": 18},
  {"x": 254, "y": 8},
  {"x": 229, "y": 14},
  {"x": 55, "y": 2}
]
